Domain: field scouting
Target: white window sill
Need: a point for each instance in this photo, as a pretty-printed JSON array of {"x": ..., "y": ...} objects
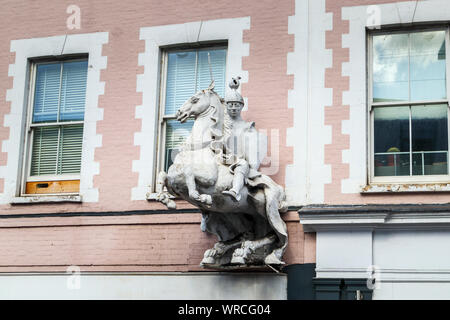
[
  {"x": 46, "y": 199},
  {"x": 399, "y": 188}
]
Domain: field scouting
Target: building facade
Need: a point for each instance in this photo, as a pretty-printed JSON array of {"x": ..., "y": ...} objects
[{"x": 353, "y": 96}]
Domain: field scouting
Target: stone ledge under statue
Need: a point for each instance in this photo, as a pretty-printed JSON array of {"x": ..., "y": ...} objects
[{"x": 216, "y": 170}]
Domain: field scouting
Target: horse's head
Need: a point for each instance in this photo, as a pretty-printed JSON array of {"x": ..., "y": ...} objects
[{"x": 196, "y": 105}]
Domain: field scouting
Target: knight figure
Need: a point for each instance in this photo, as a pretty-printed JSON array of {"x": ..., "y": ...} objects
[{"x": 242, "y": 147}]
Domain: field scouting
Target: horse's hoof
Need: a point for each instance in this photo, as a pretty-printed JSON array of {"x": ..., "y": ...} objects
[
  {"x": 272, "y": 259},
  {"x": 171, "y": 205},
  {"x": 207, "y": 261},
  {"x": 237, "y": 260},
  {"x": 209, "y": 257},
  {"x": 238, "y": 256},
  {"x": 206, "y": 198},
  {"x": 210, "y": 253},
  {"x": 194, "y": 195}
]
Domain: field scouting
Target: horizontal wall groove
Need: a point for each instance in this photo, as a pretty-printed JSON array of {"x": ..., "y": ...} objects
[
  {"x": 97, "y": 214},
  {"x": 91, "y": 265},
  {"x": 105, "y": 219}
]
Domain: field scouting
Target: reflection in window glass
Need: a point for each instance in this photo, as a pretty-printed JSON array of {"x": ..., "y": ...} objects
[
  {"x": 391, "y": 140},
  {"x": 390, "y": 68},
  {"x": 429, "y": 139},
  {"x": 428, "y": 66},
  {"x": 409, "y": 67}
]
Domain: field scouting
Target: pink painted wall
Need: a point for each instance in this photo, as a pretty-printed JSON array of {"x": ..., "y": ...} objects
[
  {"x": 267, "y": 71},
  {"x": 157, "y": 242},
  {"x": 163, "y": 242}
]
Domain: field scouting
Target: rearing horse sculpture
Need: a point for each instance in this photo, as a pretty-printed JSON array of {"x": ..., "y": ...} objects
[{"x": 250, "y": 231}]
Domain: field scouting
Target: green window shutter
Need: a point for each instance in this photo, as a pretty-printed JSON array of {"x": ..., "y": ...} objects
[
  {"x": 70, "y": 147},
  {"x": 57, "y": 150},
  {"x": 45, "y": 148},
  {"x": 176, "y": 134}
]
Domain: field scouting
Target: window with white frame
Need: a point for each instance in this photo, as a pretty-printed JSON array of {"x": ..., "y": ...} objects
[
  {"x": 408, "y": 102},
  {"x": 185, "y": 72},
  {"x": 55, "y": 127}
]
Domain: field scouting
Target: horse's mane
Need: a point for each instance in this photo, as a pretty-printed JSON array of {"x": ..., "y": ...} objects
[
  {"x": 217, "y": 117},
  {"x": 220, "y": 129}
]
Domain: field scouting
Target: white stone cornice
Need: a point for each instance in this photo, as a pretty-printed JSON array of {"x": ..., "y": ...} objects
[
  {"x": 329, "y": 221},
  {"x": 313, "y": 222},
  {"x": 387, "y": 275}
]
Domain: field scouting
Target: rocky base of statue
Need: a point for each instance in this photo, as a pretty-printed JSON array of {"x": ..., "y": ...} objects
[{"x": 248, "y": 253}]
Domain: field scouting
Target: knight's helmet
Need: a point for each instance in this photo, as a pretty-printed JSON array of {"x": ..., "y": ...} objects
[{"x": 233, "y": 95}]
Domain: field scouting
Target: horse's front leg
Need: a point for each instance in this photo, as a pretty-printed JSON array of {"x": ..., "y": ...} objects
[
  {"x": 190, "y": 183},
  {"x": 162, "y": 194},
  {"x": 192, "y": 187},
  {"x": 204, "y": 172}
]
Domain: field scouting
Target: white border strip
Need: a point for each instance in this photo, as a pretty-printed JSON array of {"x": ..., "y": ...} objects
[
  {"x": 307, "y": 176},
  {"x": 148, "y": 82}
]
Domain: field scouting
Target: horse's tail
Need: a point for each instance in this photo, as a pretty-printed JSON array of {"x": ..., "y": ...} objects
[
  {"x": 163, "y": 195},
  {"x": 275, "y": 202}
]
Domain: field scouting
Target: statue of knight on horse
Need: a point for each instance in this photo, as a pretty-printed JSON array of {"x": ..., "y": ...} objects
[{"x": 216, "y": 170}]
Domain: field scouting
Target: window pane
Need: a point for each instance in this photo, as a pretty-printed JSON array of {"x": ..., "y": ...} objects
[
  {"x": 46, "y": 93},
  {"x": 176, "y": 134},
  {"x": 50, "y": 159},
  {"x": 390, "y": 68},
  {"x": 217, "y": 58},
  {"x": 73, "y": 90},
  {"x": 180, "y": 79},
  {"x": 391, "y": 141},
  {"x": 189, "y": 72},
  {"x": 70, "y": 148},
  {"x": 45, "y": 148},
  {"x": 428, "y": 66},
  {"x": 429, "y": 139}
]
